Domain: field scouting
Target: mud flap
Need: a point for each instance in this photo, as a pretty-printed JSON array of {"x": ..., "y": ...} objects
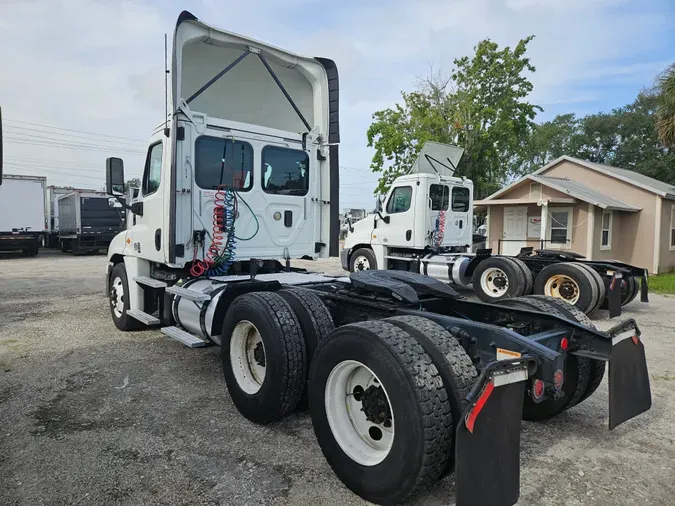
[
  {"x": 644, "y": 289},
  {"x": 629, "y": 390},
  {"x": 487, "y": 449},
  {"x": 614, "y": 295}
]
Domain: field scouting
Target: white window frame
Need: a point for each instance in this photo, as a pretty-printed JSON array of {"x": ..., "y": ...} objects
[
  {"x": 570, "y": 216},
  {"x": 672, "y": 226},
  {"x": 608, "y": 246}
]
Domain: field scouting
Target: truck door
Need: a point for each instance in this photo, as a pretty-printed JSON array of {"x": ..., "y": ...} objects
[
  {"x": 459, "y": 226},
  {"x": 147, "y": 234},
  {"x": 400, "y": 209}
]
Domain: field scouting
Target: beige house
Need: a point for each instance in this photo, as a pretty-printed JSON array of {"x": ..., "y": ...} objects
[{"x": 598, "y": 211}]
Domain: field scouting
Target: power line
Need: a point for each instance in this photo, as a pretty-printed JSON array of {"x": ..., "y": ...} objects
[
  {"x": 58, "y": 170},
  {"x": 71, "y": 130},
  {"x": 73, "y": 146},
  {"x": 66, "y": 136}
]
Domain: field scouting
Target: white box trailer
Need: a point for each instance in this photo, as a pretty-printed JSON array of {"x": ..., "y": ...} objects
[{"x": 22, "y": 213}]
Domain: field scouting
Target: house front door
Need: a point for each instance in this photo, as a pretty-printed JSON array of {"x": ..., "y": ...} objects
[{"x": 515, "y": 230}]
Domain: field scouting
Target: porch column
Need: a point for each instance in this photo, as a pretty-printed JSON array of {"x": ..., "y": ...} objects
[{"x": 544, "y": 223}]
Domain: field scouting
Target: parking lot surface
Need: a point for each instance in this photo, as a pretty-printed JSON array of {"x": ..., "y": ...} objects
[{"x": 91, "y": 415}]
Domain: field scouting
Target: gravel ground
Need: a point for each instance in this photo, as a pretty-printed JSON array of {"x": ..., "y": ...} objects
[{"x": 90, "y": 415}]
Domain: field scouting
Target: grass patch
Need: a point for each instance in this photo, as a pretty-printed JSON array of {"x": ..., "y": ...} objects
[{"x": 663, "y": 283}]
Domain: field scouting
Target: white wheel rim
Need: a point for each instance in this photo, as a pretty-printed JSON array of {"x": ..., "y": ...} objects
[
  {"x": 365, "y": 441},
  {"x": 361, "y": 263},
  {"x": 494, "y": 282},
  {"x": 117, "y": 297},
  {"x": 562, "y": 287},
  {"x": 247, "y": 357}
]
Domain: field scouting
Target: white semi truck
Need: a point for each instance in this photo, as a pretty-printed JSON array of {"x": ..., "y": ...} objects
[
  {"x": 404, "y": 380},
  {"x": 22, "y": 213},
  {"x": 426, "y": 225}
]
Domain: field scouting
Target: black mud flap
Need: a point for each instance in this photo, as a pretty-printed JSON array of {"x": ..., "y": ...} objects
[
  {"x": 644, "y": 289},
  {"x": 614, "y": 295},
  {"x": 629, "y": 390},
  {"x": 487, "y": 449}
]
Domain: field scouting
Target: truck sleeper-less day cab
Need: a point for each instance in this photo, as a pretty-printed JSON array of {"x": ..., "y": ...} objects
[
  {"x": 425, "y": 226},
  {"x": 405, "y": 381}
]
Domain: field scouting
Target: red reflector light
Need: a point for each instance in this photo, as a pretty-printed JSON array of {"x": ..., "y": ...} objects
[
  {"x": 558, "y": 379},
  {"x": 538, "y": 389},
  {"x": 564, "y": 343}
]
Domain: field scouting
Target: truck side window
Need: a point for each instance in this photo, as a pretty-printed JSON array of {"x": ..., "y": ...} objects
[
  {"x": 460, "y": 199},
  {"x": 152, "y": 175},
  {"x": 399, "y": 202},
  {"x": 285, "y": 171},
  {"x": 223, "y": 162},
  {"x": 440, "y": 197}
]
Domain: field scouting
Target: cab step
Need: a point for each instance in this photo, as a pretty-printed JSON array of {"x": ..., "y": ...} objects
[
  {"x": 151, "y": 282},
  {"x": 142, "y": 317},
  {"x": 184, "y": 337},
  {"x": 192, "y": 295}
]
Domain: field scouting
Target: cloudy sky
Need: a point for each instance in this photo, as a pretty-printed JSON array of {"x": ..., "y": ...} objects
[{"x": 81, "y": 80}]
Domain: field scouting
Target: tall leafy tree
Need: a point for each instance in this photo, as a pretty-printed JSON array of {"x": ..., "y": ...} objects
[
  {"x": 665, "y": 114},
  {"x": 481, "y": 107}
]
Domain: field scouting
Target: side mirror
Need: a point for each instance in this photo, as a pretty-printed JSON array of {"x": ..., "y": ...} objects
[
  {"x": 114, "y": 176},
  {"x": 0, "y": 145}
]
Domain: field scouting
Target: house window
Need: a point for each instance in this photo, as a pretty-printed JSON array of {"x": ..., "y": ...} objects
[
  {"x": 672, "y": 227},
  {"x": 535, "y": 190},
  {"x": 606, "y": 234},
  {"x": 560, "y": 226}
]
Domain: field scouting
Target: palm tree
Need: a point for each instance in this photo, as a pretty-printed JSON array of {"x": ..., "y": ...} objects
[{"x": 665, "y": 111}]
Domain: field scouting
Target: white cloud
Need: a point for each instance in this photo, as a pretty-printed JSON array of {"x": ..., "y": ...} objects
[{"x": 97, "y": 65}]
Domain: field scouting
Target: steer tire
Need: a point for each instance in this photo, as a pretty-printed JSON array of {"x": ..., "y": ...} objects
[
  {"x": 362, "y": 252},
  {"x": 527, "y": 275},
  {"x": 285, "y": 361},
  {"x": 596, "y": 367},
  {"x": 124, "y": 322},
  {"x": 587, "y": 299},
  {"x": 513, "y": 275},
  {"x": 577, "y": 369},
  {"x": 418, "y": 401},
  {"x": 315, "y": 321},
  {"x": 453, "y": 363}
]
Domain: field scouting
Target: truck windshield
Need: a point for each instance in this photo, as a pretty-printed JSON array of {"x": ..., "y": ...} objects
[
  {"x": 285, "y": 171},
  {"x": 210, "y": 171}
]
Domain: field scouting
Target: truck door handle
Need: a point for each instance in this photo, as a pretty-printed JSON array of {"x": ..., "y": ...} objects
[
  {"x": 461, "y": 224},
  {"x": 408, "y": 235},
  {"x": 158, "y": 239},
  {"x": 288, "y": 218}
]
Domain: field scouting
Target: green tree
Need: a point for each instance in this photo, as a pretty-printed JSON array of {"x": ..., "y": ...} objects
[
  {"x": 626, "y": 137},
  {"x": 665, "y": 114},
  {"x": 132, "y": 183},
  {"x": 481, "y": 107}
]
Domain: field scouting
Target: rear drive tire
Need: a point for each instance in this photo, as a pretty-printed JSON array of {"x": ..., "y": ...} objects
[
  {"x": 570, "y": 282},
  {"x": 315, "y": 321},
  {"x": 496, "y": 279},
  {"x": 118, "y": 295},
  {"x": 263, "y": 356},
  {"x": 453, "y": 363},
  {"x": 527, "y": 275},
  {"x": 628, "y": 292},
  {"x": 599, "y": 282},
  {"x": 577, "y": 369},
  {"x": 363, "y": 259},
  {"x": 402, "y": 445}
]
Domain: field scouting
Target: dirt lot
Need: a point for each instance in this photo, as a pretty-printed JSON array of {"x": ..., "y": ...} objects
[{"x": 90, "y": 415}]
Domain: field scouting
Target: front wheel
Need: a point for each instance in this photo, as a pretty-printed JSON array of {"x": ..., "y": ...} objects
[
  {"x": 118, "y": 295},
  {"x": 363, "y": 259}
]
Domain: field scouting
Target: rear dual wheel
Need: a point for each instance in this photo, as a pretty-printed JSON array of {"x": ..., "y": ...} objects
[
  {"x": 575, "y": 283},
  {"x": 383, "y": 398}
]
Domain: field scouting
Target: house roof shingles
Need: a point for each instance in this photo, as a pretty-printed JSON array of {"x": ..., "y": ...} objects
[{"x": 584, "y": 193}]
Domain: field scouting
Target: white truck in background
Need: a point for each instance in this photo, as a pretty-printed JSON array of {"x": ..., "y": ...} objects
[
  {"x": 22, "y": 213},
  {"x": 52, "y": 206}
]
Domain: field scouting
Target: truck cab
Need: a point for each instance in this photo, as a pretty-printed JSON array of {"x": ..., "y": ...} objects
[{"x": 425, "y": 211}]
